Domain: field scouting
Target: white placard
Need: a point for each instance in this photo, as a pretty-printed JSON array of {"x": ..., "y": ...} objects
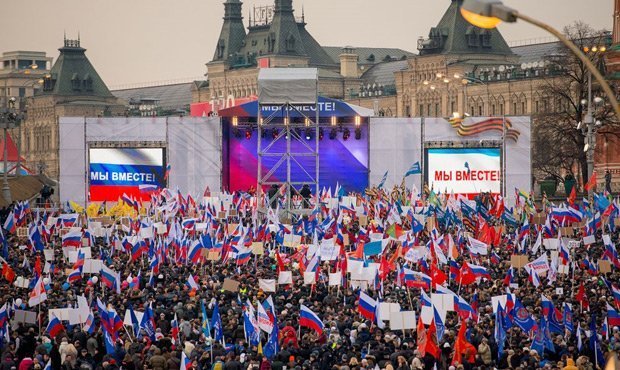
[
  {"x": 49, "y": 254},
  {"x": 267, "y": 285},
  {"x": 309, "y": 277},
  {"x": 427, "y": 315},
  {"x": 335, "y": 279},
  {"x": 285, "y": 277},
  {"x": 590, "y": 239},
  {"x": 386, "y": 309},
  {"x": 551, "y": 244},
  {"x": 146, "y": 232},
  {"x": 21, "y": 283},
  {"x": 329, "y": 250},
  {"x": 61, "y": 313},
  {"x": 495, "y": 301},
  {"x": 355, "y": 284},
  {"x": 559, "y": 291},
  {"x": 403, "y": 320},
  {"x": 92, "y": 266}
]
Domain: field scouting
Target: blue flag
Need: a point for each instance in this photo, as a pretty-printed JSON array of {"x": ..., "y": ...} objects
[
  {"x": 441, "y": 328},
  {"x": 216, "y": 323},
  {"x": 414, "y": 169},
  {"x": 109, "y": 345},
  {"x": 148, "y": 322},
  {"x": 500, "y": 332},
  {"x": 522, "y": 318},
  {"x": 272, "y": 346},
  {"x": 595, "y": 345},
  {"x": 568, "y": 318}
]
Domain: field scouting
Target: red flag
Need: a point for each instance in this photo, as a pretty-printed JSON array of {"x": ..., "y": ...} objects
[
  {"x": 280, "y": 262},
  {"x": 438, "y": 277},
  {"x": 466, "y": 275},
  {"x": 421, "y": 333},
  {"x": 431, "y": 340},
  {"x": 573, "y": 196},
  {"x": 7, "y": 272},
  {"x": 592, "y": 182},
  {"x": 384, "y": 267},
  {"x": 581, "y": 297},
  {"x": 462, "y": 348},
  {"x": 37, "y": 265}
]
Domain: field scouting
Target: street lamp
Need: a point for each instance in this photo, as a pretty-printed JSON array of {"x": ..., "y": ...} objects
[
  {"x": 8, "y": 120},
  {"x": 490, "y": 13}
]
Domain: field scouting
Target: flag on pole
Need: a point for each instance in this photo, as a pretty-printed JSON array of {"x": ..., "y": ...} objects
[
  {"x": 309, "y": 319},
  {"x": 414, "y": 169},
  {"x": 383, "y": 179}
]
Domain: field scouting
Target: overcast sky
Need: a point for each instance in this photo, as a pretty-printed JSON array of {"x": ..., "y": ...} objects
[{"x": 140, "y": 41}]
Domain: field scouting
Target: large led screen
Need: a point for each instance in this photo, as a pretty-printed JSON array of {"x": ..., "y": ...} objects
[
  {"x": 466, "y": 171},
  {"x": 343, "y": 162},
  {"x": 133, "y": 171}
]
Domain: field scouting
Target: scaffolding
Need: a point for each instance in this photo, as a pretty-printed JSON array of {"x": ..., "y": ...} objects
[{"x": 291, "y": 97}]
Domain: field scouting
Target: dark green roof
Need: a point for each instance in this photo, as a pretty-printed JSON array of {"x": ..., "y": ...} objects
[
  {"x": 368, "y": 56},
  {"x": 74, "y": 75},
  {"x": 454, "y": 35},
  {"x": 232, "y": 34}
]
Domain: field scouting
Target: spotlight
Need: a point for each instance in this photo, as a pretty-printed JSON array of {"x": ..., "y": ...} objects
[
  {"x": 274, "y": 133},
  {"x": 308, "y": 134},
  {"x": 358, "y": 133},
  {"x": 248, "y": 134},
  {"x": 345, "y": 134},
  {"x": 321, "y": 133},
  {"x": 333, "y": 133}
]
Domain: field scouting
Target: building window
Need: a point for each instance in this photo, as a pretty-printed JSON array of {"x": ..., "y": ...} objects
[
  {"x": 428, "y": 110},
  {"x": 514, "y": 109},
  {"x": 472, "y": 110},
  {"x": 493, "y": 109},
  {"x": 536, "y": 107},
  {"x": 421, "y": 112},
  {"x": 523, "y": 111},
  {"x": 75, "y": 82},
  {"x": 452, "y": 107},
  {"x": 22, "y": 92},
  {"x": 480, "y": 110},
  {"x": 437, "y": 110}
]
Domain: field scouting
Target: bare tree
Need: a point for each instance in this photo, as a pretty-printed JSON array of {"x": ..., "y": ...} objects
[{"x": 558, "y": 143}]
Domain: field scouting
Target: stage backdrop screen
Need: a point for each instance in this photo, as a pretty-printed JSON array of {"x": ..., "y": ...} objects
[
  {"x": 133, "y": 171},
  {"x": 343, "y": 162},
  {"x": 466, "y": 171}
]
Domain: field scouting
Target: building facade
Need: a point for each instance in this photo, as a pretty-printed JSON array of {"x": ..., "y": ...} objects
[
  {"x": 275, "y": 37},
  {"x": 71, "y": 88},
  {"x": 21, "y": 74}
]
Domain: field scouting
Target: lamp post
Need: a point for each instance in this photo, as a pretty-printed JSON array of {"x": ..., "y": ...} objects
[
  {"x": 8, "y": 120},
  {"x": 490, "y": 13}
]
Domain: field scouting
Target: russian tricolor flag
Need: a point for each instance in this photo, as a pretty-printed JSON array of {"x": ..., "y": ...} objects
[
  {"x": 416, "y": 279},
  {"x": 54, "y": 327},
  {"x": 195, "y": 251},
  {"x": 479, "y": 271},
  {"x": 613, "y": 317},
  {"x": 73, "y": 238},
  {"x": 367, "y": 306},
  {"x": 191, "y": 283},
  {"x": 310, "y": 320}
]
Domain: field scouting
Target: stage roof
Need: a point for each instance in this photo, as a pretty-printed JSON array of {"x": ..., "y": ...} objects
[{"x": 327, "y": 108}]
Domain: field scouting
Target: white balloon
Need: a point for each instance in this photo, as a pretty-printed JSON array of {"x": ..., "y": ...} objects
[
  {"x": 46, "y": 281},
  {"x": 95, "y": 279},
  {"x": 129, "y": 279},
  {"x": 18, "y": 301}
]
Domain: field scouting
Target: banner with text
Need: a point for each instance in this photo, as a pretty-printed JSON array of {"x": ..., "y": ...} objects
[
  {"x": 133, "y": 171},
  {"x": 466, "y": 171}
]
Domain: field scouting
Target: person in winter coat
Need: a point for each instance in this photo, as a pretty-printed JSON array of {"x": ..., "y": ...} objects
[
  {"x": 157, "y": 361},
  {"x": 484, "y": 350}
]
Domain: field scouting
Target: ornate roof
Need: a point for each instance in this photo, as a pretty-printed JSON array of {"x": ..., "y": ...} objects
[
  {"x": 74, "y": 75},
  {"x": 454, "y": 35}
]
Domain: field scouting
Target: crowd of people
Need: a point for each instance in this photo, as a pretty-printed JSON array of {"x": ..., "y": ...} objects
[{"x": 164, "y": 298}]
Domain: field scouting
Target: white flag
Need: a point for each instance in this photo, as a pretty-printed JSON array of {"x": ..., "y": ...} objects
[{"x": 477, "y": 247}]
